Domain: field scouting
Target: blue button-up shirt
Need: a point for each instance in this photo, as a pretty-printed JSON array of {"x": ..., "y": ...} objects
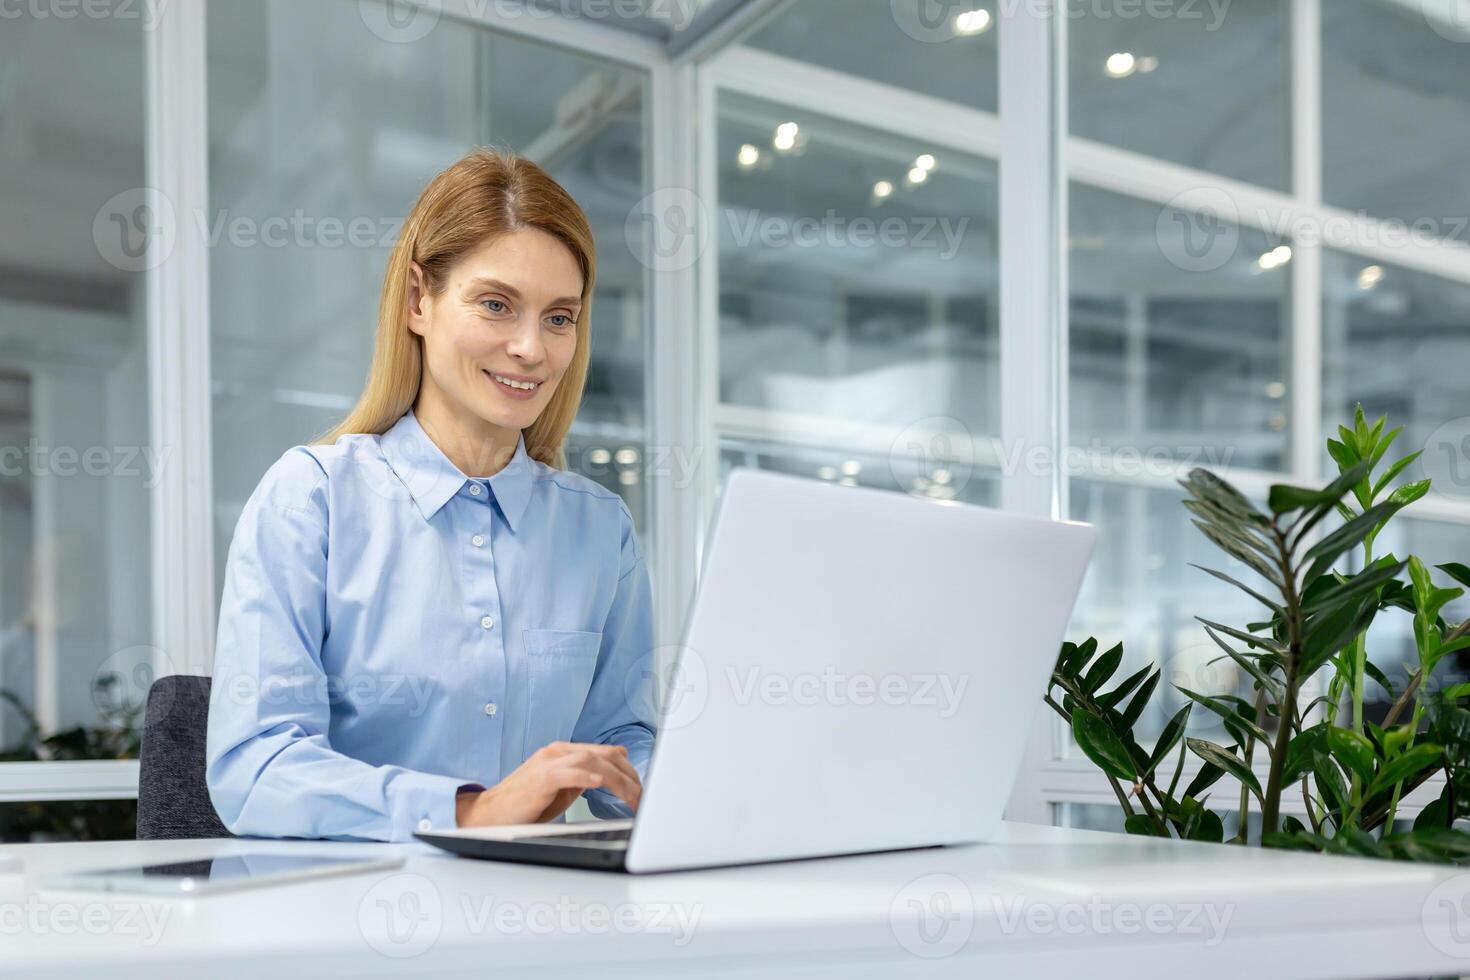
[{"x": 392, "y": 631}]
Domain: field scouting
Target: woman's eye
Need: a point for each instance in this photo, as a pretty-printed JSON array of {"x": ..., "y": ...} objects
[
  {"x": 494, "y": 305},
  {"x": 560, "y": 320}
]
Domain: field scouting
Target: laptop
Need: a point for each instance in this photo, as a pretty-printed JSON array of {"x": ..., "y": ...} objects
[{"x": 859, "y": 671}]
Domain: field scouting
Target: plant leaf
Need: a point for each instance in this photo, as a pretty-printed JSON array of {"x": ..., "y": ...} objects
[
  {"x": 1169, "y": 738},
  {"x": 1284, "y": 498},
  {"x": 1250, "y": 639},
  {"x": 1081, "y": 653},
  {"x": 1325, "y": 552},
  {"x": 1403, "y": 766},
  {"x": 1329, "y": 782},
  {"x": 1409, "y": 492},
  {"x": 1142, "y": 825},
  {"x": 1235, "y": 722},
  {"x": 1120, "y": 692},
  {"x": 1226, "y": 760},
  {"x": 1102, "y": 745},
  {"x": 1209, "y": 488},
  {"x": 1369, "y": 578},
  {"x": 1241, "y": 554},
  {"x": 1275, "y": 607},
  {"x": 1134, "y": 711},
  {"x": 1460, "y": 573},
  {"x": 1394, "y": 470},
  {"x": 1102, "y": 668},
  {"x": 1208, "y": 775},
  {"x": 1299, "y": 752},
  {"x": 1352, "y": 751}
]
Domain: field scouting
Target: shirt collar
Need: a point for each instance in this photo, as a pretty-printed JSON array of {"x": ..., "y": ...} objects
[{"x": 432, "y": 478}]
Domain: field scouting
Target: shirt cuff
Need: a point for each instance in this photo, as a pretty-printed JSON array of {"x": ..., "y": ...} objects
[{"x": 420, "y": 802}]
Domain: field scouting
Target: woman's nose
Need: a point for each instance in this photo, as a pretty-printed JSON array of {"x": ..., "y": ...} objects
[{"x": 525, "y": 341}]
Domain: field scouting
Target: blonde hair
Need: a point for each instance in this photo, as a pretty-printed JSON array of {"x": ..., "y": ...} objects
[{"x": 485, "y": 195}]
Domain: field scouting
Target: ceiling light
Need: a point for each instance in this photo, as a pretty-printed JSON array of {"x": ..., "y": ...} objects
[
  {"x": 925, "y": 161},
  {"x": 883, "y": 189},
  {"x": 1147, "y": 64},
  {"x": 1370, "y": 276},
  {"x": 1277, "y": 257},
  {"x": 972, "y": 22},
  {"x": 1120, "y": 64},
  {"x": 1276, "y": 389},
  {"x": 918, "y": 175},
  {"x": 749, "y": 155}
]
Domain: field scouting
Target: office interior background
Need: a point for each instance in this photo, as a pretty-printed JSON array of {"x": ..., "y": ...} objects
[{"x": 929, "y": 247}]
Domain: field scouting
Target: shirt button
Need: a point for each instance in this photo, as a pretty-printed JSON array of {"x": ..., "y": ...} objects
[
  {"x": 474, "y": 489},
  {"x": 425, "y": 826},
  {"x": 487, "y": 622},
  {"x": 477, "y": 540},
  {"x": 490, "y": 709}
]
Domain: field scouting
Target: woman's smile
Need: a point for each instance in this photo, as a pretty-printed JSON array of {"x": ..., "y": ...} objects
[{"x": 513, "y": 385}]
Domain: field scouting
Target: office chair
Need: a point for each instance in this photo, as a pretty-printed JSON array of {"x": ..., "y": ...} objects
[{"x": 173, "y": 800}]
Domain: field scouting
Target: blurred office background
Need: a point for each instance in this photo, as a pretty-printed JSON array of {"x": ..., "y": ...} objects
[{"x": 1263, "y": 222}]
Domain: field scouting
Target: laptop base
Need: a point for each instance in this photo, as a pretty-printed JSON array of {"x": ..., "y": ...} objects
[{"x": 595, "y": 850}]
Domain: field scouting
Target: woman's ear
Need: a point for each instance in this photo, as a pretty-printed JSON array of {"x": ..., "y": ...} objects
[{"x": 417, "y": 294}]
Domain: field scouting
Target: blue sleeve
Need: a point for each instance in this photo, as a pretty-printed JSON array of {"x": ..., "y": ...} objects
[
  {"x": 270, "y": 767},
  {"x": 615, "y": 711}
]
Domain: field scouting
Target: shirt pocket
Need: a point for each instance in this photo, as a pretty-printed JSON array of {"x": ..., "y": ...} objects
[{"x": 561, "y": 665}]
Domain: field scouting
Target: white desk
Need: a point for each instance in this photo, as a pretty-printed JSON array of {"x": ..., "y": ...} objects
[{"x": 1044, "y": 903}]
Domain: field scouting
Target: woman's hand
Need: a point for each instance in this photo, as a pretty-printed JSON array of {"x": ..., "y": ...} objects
[{"x": 548, "y": 782}]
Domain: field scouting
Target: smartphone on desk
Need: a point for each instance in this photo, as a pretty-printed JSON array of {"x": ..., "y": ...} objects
[{"x": 227, "y": 873}]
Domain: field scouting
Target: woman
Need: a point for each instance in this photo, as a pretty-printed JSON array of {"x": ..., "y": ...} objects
[{"x": 426, "y": 622}]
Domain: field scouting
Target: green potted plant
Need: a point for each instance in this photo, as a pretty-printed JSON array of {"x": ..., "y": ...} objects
[{"x": 1351, "y": 772}]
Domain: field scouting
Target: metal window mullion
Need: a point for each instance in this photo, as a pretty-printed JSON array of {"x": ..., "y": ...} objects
[
  {"x": 182, "y": 532},
  {"x": 1032, "y": 305},
  {"x": 1306, "y": 267},
  {"x": 676, "y": 411}
]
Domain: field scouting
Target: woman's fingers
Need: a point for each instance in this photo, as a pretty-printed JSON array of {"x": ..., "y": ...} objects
[
  {"x": 608, "y": 763},
  {"x": 622, "y": 784}
]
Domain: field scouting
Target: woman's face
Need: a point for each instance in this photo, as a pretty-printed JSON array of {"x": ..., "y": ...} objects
[{"x": 502, "y": 333}]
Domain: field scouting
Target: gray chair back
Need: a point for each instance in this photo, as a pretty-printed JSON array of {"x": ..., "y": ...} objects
[{"x": 173, "y": 799}]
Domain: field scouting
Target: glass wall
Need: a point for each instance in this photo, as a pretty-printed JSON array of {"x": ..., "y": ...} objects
[
  {"x": 1201, "y": 85},
  {"x": 317, "y": 152},
  {"x": 857, "y": 301},
  {"x": 948, "y": 50},
  {"x": 855, "y": 308},
  {"x": 76, "y": 466},
  {"x": 1185, "y": 313},
  {"x": 1396, "y": 114}
]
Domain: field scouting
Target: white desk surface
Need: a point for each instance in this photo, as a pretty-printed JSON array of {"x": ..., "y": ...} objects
[{"x": 1043, "y": 902}]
